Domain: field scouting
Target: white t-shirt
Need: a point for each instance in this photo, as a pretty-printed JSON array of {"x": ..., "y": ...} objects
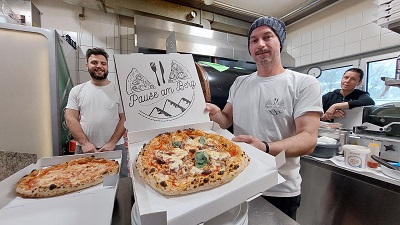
[
  {"x": 99, "y": 108},
  {"x": 266, "y": 107}
]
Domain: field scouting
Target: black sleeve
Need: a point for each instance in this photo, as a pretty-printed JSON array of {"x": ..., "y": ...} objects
[
  {"x": 326, "y": 101},
  {"x": 363, "y": 100}
]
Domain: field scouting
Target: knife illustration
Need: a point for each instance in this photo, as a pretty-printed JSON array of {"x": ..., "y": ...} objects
[{"x": 162, "y": 72}]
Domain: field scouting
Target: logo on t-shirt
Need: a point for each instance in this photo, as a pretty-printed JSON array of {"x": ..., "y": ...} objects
[{"x": 275, "y": 106}]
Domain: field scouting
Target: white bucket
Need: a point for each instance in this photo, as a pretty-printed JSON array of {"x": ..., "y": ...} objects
[
  {"x": 356, "y": 156},
  {"x": 238, "y": 215}
]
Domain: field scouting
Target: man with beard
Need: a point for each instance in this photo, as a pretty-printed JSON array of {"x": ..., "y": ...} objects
[
  {"x": 94, "y": 112},
  {"x": 346, "y": 98},
  {"x": 274, "y": 109}
]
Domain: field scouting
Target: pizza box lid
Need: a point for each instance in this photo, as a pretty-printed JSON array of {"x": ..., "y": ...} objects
[
  {"x": 159, "y": 90},
  {"x": 154, "y": 208},
  {"x": 92, "y": 205}
]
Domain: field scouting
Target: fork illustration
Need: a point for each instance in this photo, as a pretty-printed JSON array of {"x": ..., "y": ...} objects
[{"x": 154, "y": 68}]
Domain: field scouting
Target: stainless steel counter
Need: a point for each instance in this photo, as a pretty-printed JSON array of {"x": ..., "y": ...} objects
[
  {"x": 261, "y": 212},
  {"x": 333, "y": 195}
]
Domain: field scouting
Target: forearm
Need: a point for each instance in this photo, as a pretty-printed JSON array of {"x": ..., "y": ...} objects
[
  {"x": 76, "y": 130},
  {"x": 298, "y": 145},
  {"x": 362, "y": 101},
  {"x": 305, "y": 139},
  {"x": 119, "y": 132},
  {"x": 341, "y": 105},
  {"x": 222, "y": 119}
]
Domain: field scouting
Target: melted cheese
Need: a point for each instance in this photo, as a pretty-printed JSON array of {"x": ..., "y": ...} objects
[
  {"x": 175, "y": 159},
  {"x": 195, "y": 170},
  {"x": 160, "y": 176},
  {"x": 217, "y": 155},
  {"x": 192, "y": 143}
]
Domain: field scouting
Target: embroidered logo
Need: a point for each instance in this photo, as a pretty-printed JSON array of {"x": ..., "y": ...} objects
[{"x": 275, "y": 106}]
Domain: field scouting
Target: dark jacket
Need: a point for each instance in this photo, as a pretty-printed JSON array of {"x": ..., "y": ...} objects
[{"x": 355, "y": 99}]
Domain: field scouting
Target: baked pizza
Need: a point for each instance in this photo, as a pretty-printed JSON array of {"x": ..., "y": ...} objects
[
  {"x": 187, "y": 161},
  {"x": 66, "y": 177}
]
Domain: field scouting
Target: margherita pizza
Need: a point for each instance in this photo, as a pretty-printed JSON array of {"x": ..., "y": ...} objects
[
  {"x": 66, "y": 177},
  {"x": 188, "y": 161}
]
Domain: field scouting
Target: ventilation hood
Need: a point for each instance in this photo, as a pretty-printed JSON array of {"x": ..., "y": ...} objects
[{"x": 152, "y": 33}]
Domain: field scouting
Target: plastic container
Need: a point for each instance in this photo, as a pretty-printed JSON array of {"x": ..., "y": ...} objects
[
  {"x": 325, "y": 150},
  {"x": 356, "y": 156},
  {"x": 374, "y": 148}
]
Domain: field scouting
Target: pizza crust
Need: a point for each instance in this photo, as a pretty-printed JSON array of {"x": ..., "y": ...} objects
[{"x": 165, "y": 178}]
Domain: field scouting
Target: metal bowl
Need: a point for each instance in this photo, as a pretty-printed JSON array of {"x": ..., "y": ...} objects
[{"x": 326, "y": 150}]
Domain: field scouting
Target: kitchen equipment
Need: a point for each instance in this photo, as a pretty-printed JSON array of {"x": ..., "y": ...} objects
[
  {"x": 382, "y": 119},
  {"x": 391, "y": 173},
  {"x": 326, "y": 150},
  {"x": 395, "y": 164},
  {"x": 355, "y": 156},
  {"x": 339, "y": 134},
  {"x": 384, "y": 162}
]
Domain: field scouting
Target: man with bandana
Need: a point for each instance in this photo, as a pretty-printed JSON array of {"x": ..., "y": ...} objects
[
  {"x": 94, "y": 112},
  {"x": 274, "y": 109}
]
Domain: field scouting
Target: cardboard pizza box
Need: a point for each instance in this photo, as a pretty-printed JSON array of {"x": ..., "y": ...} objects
[
  {"x": 92, "y": 205},
  {"x": 162, "y": 93}
]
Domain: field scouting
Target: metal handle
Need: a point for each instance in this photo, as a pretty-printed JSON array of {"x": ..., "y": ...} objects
[{"x": 384, "y": 162}]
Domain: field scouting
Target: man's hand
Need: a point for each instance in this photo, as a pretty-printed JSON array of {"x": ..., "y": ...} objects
[
  {"x": 109, "y": 146},
  {"x": 253, "y": 141},
  {"x": 223, "y": 117},
  {"x": 213, "y": 111},
  {"x": 336, "y": 114},
  {"x": 88, "y": 147}
]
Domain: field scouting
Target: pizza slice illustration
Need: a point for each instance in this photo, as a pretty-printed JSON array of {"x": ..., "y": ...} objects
[
  {"x": 178, "y": 72},
  {"x": 136, "y": 82}
]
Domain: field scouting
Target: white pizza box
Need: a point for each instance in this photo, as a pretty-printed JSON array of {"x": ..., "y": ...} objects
[
  {"x": 92, "y": 205},
  {"x": 154, "y": 208},
  {"x": 162, "y": 93}
]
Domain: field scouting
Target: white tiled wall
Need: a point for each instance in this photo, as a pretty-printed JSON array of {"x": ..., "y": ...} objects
[
  {"x": 98, "y": 29},
  {"x": 344, "y": 29}
]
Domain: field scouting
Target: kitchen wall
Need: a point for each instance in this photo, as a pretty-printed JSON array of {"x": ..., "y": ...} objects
[
  {"x": 344, "y": 29},
  {"x": 95, "y": 29}
]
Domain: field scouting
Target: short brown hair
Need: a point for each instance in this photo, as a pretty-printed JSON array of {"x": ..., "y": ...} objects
[{"x": 96, "y": 51}]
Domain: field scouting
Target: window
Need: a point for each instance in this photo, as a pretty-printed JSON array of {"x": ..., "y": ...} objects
[
  {"x": 377, "y": 70},
  {"x": 330, "y": 78}
]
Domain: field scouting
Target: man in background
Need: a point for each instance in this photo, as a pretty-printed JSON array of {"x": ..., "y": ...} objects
[
  {"x": 94, "y": 112},
  {"x": 347, "y": 97},
  {"x": 274, "y": 109}
]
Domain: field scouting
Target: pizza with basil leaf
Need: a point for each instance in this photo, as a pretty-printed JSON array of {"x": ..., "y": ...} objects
[{"x": 188, "y": 161}]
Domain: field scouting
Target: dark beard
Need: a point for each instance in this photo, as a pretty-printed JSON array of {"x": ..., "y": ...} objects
[{"x": 93, "y": 75}]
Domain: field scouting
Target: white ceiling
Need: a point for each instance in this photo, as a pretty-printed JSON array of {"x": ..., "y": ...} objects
[{"x": 276, "y": 8}]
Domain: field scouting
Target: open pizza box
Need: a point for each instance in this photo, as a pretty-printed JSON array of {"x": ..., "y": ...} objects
[
  {"x": 93, "y": 205},
  {"x": 162, "y": 93}
]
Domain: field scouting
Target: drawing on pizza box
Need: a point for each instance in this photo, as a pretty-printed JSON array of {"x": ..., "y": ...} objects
[{"x": 161, "y": 101}]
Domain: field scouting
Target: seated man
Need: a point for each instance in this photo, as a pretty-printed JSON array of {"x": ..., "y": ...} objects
[{"x": 346, "y": 98}]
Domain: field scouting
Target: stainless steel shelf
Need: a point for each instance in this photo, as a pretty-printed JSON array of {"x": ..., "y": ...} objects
[{"x": 392, "y": 82}]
